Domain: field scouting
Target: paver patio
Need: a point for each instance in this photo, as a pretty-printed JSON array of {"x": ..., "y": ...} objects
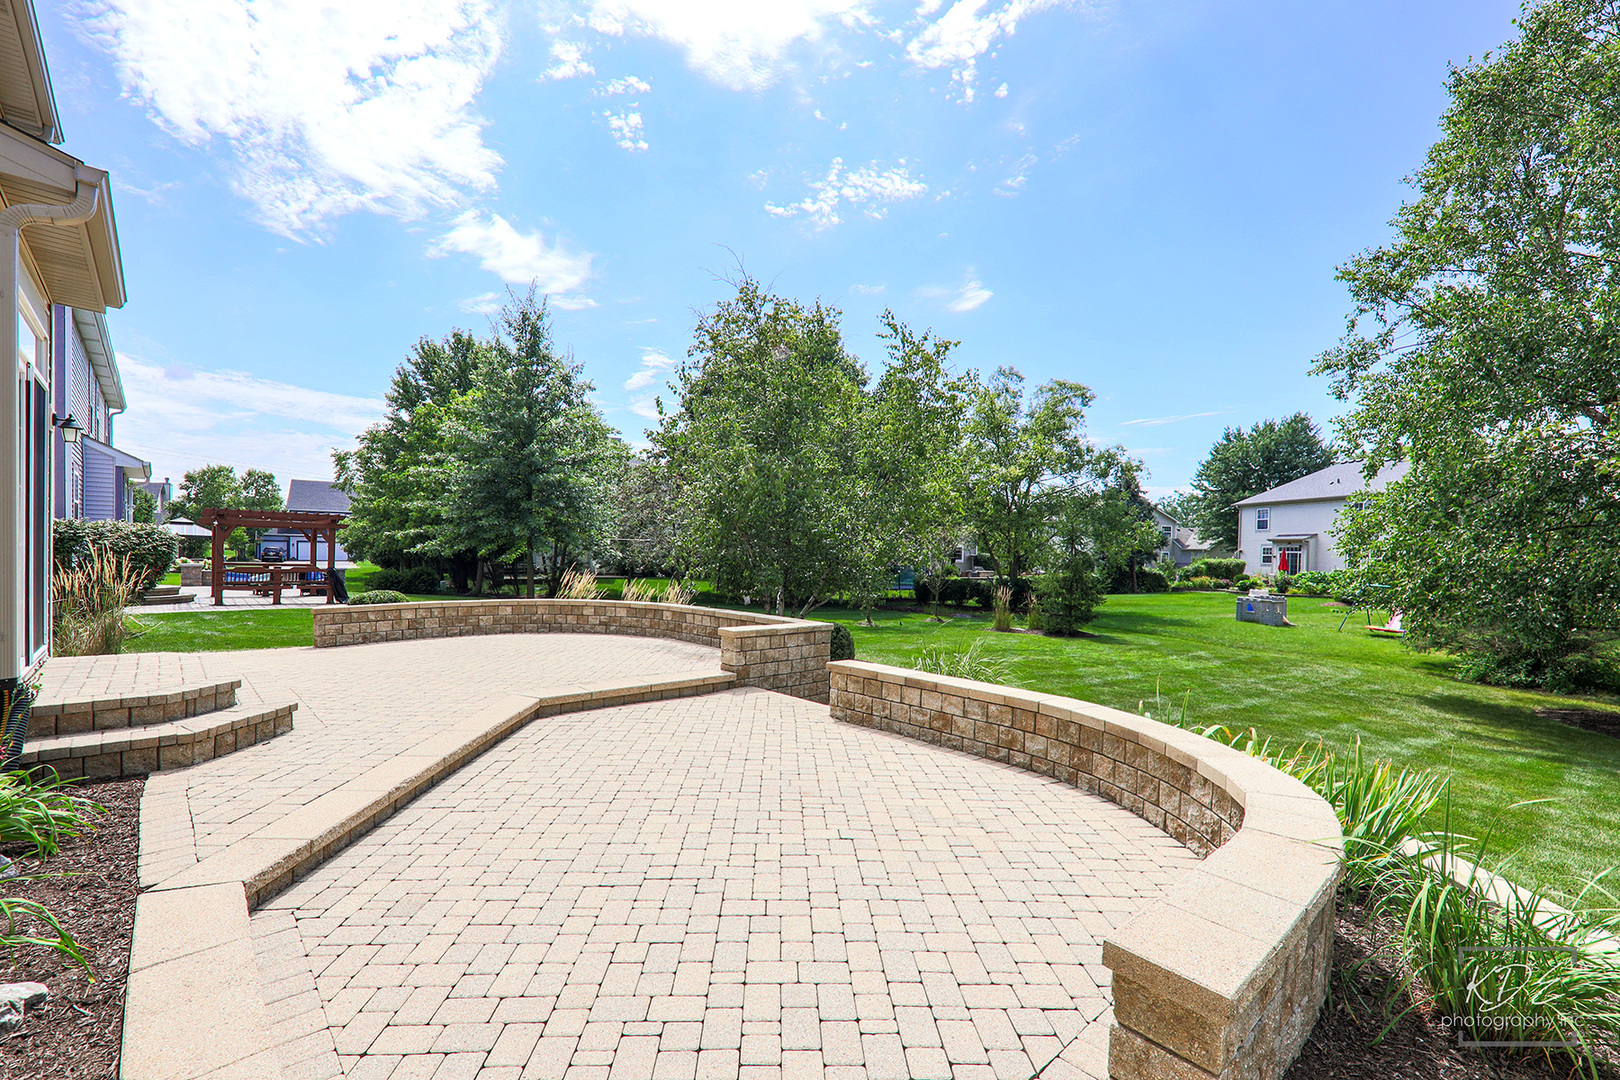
[{"x": 733, "y": 885}]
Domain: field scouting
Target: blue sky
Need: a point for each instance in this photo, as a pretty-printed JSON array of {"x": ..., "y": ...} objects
[{"x": 1147, "y": 197}]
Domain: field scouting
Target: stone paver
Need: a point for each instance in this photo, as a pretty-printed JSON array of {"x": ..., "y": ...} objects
[
  {"x": 85, "y": 678},
  {"x": 361, "y": 705},
  {"x": 732, "y": 885}
]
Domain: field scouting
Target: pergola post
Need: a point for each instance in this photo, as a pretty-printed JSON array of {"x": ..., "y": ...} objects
[{"x": 217, "y": 575}]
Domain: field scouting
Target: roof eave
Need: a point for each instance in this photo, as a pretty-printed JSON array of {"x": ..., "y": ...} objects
[
  {"x": 33, "y": 172},
  {"x": 92, "y": 327},
  {"x": 39, "y": 76}
]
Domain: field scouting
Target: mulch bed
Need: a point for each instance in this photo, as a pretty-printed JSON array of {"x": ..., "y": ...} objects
[
  {"x": 1599, "y": 720},
  {"x": 78, "y": 1032},
  {"x": 1417, "y": 1047}
]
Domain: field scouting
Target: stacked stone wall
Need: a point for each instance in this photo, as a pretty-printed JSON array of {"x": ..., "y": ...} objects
[{"x": 1224, "y": 975}]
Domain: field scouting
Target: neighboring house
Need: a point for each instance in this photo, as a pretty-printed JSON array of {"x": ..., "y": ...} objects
[
  {"x": 1180, "y": 544},
  {"x": 58, "y": 249},
  {"x": 314, "y": 497},
  {"x": 163, "y": 492},
  {"x": 92, "y": 475},
  {"x": 1298, "y": 518}
]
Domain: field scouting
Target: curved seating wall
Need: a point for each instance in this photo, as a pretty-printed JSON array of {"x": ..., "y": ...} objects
[
  {"x": 1224, "y": 974},
  {"x": 767, "y": 651}
]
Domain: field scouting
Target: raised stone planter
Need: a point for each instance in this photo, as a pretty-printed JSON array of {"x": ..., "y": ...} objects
[
  {"x": 1223, "y": 976},
  {"x": 773, "y": 653}
]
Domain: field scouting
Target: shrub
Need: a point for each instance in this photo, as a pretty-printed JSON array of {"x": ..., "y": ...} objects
[
  {"x": 640, "y": 590},
  {"x": 417, "y": 579},
  {"x": 578, "y": 584},
  {"x": 1069, "y": 595},
  {"x": 1199, "y": 583},
  {"x": 972, "y": 663},
  {"x": 1283, "y": 583},
  {"x": 149, "y": 551},
  {"x": 90, "y": 597},
  {"x": 1036, "y": 619},
  {"x": 843, "y": 643},
  {"x": 1147, "y": 579},
  {"x": 379, "y": 596},
  {"x": 1217, "y": 568},
  {"x": 1003, "y": 619}
]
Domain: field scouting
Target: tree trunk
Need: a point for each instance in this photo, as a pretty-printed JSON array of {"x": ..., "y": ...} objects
[{"x": 529, "y": 586}]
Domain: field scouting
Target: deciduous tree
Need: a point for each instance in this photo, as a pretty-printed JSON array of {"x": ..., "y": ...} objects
[{"x": 1246, "y": 462}]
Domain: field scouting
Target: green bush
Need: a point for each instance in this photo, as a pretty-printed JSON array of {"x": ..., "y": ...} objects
[
  {"x": 379, "y": 596},
  {"x": 147, "y": 549},
  {"x": 1217, "y": 568},
  {"x": 843, "y": 643},
  {"x": 1069, "y": 595},
  {"x": 1283, "y": 583},
  {"x": 418, "y": 579},
  {"x": 972, "y": 663},
  {"x": 1199, "y": 583},
  {"x": 1146, "y": 579}
]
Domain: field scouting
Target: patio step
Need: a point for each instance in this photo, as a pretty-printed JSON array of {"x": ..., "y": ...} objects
[
  {"x": 133, "y": 710},
  {"x": 162, "y": 594},
  {"x": 133, "y": 751}
]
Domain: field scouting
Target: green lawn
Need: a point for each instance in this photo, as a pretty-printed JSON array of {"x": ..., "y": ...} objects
[
  {"x": 1313, "y": 681},
  {"x": 1304, "y": 683}
]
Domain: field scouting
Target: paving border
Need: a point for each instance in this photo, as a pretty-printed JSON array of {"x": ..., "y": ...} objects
[
  {"x": 133, "y": 710},
  {"x": 771, "y": 652},
  {"x": 1225, "y": 973},
  {"x": 194, "y": 1003}
]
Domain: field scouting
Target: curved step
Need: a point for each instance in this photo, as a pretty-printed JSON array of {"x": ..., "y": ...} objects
[
  {"x": 136, "y": 710},
  {"x": 133, "y": 751}
]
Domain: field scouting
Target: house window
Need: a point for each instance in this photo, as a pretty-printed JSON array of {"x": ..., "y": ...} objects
[
  {"x": 1262, "y": 519},
  {"x": 1265, "y": 555}
]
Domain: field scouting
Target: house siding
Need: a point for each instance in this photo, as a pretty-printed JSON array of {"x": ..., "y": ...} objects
[
  {"x": 1317, "y": 516},
  {"x": 100, "y": 473}
]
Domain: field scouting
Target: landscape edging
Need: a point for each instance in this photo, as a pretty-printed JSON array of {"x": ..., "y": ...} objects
[{"x": 1224, "y": 974}]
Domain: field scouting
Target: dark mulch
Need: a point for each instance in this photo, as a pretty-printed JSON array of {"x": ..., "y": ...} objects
[
  {"x": 77, "y": 1033},
  {"x": 1342, "y": 1046},
  {"x": 1601, "y": 721}
]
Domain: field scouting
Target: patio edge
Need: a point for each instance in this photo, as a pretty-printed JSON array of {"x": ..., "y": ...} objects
[{"x": 1225, "y": 973}]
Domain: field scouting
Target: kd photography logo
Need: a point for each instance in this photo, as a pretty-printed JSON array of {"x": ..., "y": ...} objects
[{"x": 1511, "y": 1030}]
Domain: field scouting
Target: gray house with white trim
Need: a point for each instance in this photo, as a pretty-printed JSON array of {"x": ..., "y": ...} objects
[{"x": 1297, "y": 518}]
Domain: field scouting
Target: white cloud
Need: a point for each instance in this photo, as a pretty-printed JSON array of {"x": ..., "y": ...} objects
[
  {"x": 484, "y": 303},
  {"x": 327, "y": 108},
  {"x": 1018, "y": 177},
  {"x": 655, "y": 367},
  {"x": 742, "y": 44},
  {"x": 626, "y": 129},
  {"x": 181, "y": 417},
  {"x": 1160, "y": 421},
  {"x": 520, "y": 258},
  {"x": 1001, "y": 91},
  {"x": 630, "y": 84},
  {"x": 962, "y": 298},
  {"x": 568, "y": 61},
  {"x": 872, "y": 189},
  {"x": 968, "y": 30},
  {"x": 869, "y": 290}
]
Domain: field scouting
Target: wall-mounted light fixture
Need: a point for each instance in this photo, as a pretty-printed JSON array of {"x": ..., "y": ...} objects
[{"x": 69, "y": 428}]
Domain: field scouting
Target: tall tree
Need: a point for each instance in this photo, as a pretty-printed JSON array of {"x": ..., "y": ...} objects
[
  {"x": 395, "y": 473},
  {"x": 764, "y": 446},
  {"x": 915, "y": 459},
  {"x": 528, "y": 463},
  {"x": 1484, "y": 349},
  {"x": 1246, "y": 462},
  {"x": 211, "y": 487},
  {"x": 1026, "y": 455}
]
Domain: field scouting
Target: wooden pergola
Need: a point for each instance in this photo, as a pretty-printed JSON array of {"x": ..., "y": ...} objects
[{"x": 271, "y": 578}]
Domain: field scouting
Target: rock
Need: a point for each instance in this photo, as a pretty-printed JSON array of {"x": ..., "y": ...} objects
[
  {"x": 8, "y": 869},
  {"x": 28, "y": 995}
]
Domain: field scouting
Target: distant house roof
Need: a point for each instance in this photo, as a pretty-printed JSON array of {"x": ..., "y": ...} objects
[
  {"x": 1190, "y": 540},
  {"x": 1334, "y": 482},
  {"x": 316, "y": 496}
]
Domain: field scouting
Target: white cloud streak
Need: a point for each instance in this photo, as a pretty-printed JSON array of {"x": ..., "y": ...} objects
[
  {"x": 970, "y": 28},
  {"x": 871, "y": 189},
  {"x": 968, "y": 296},
  {"x": 1160, "y": 421},
  {"x": 629, "y": 84},
  {"x": 520, "y": 258},
  {"x": 181, "y": 417},
  {"x": 327, "y": 108},
  {"x": 741, "y": 44}
]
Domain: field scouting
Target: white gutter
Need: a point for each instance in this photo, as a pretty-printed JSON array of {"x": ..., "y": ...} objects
[{"x": 13, "y": 570}]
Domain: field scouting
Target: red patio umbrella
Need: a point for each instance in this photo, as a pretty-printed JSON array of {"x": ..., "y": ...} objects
[{"x": 1282, "y": 560}]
